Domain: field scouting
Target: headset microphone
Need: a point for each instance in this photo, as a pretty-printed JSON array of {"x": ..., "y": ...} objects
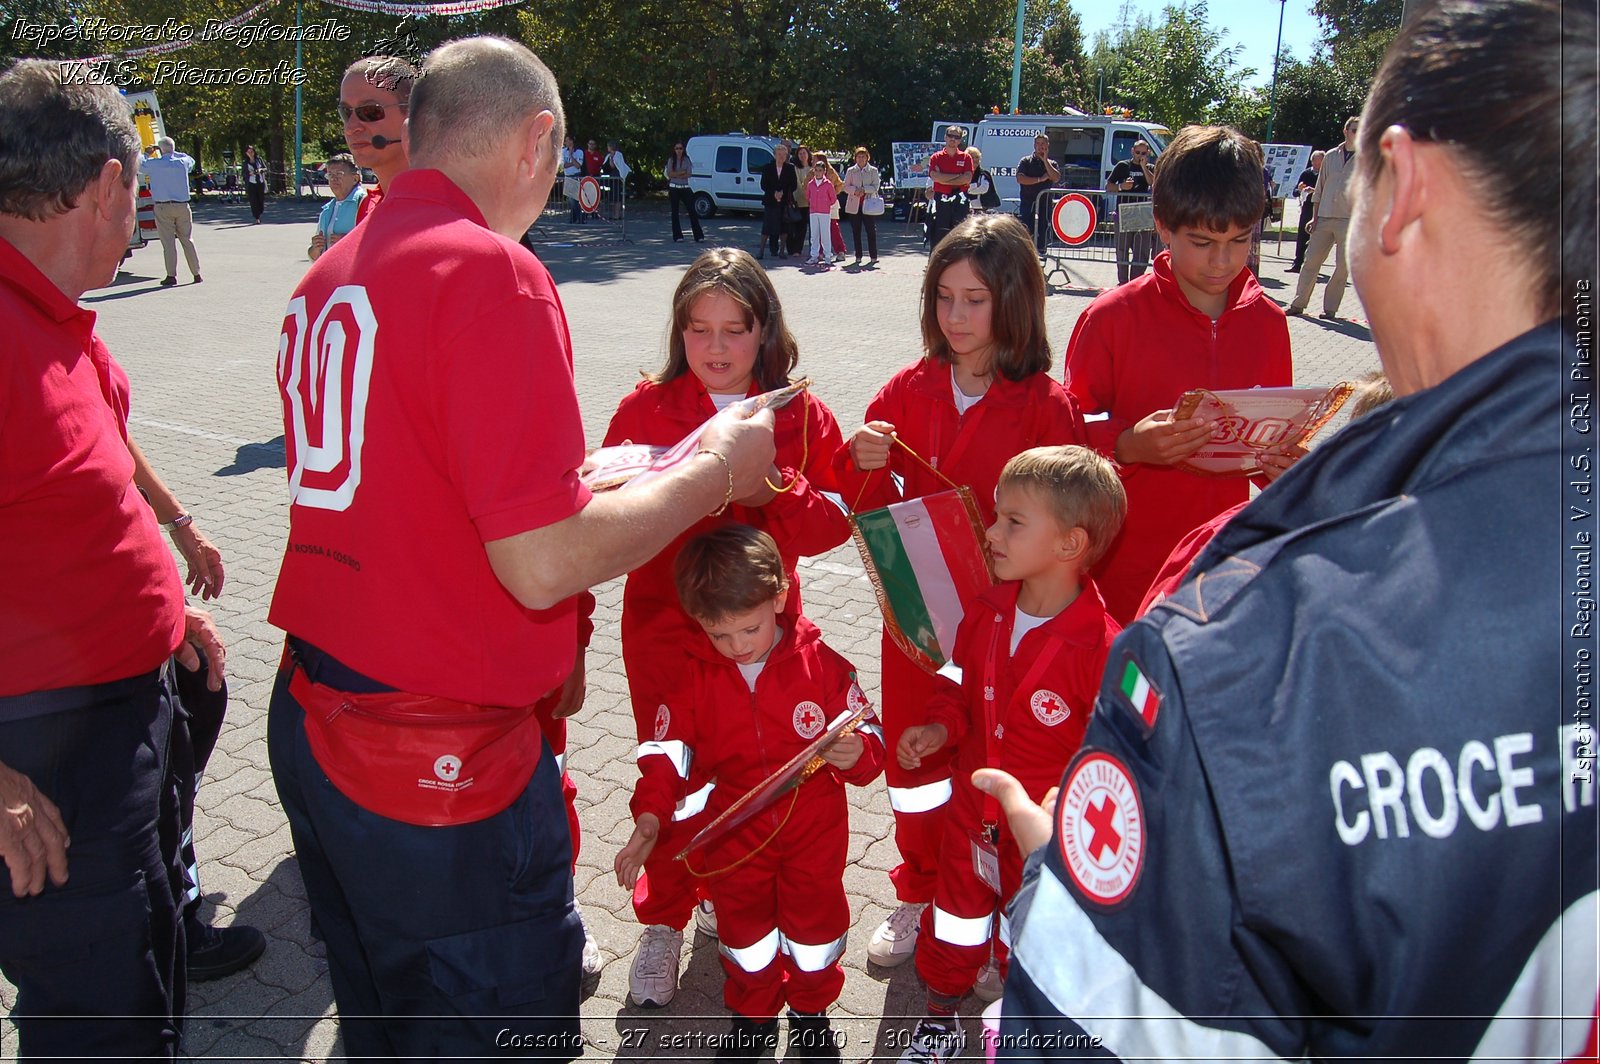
[{"x": 380, "y": 141}]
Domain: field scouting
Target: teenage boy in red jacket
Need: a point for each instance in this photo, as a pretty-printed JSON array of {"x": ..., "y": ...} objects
[
  {"x": 759, "y": 689},
  {"x": 1198, "y": 319},
  {"x": 1031, "y": 652}
]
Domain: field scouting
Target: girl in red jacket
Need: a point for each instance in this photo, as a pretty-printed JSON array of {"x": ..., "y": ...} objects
[
  {"x": 727, "y": 340},
  {"x": 981, "y": 394}
]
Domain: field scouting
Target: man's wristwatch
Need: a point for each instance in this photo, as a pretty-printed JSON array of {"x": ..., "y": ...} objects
[{"x": 181, "y": 520}]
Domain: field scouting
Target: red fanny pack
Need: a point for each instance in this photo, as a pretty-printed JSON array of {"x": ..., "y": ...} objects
[{"x": 419, "y": 759}]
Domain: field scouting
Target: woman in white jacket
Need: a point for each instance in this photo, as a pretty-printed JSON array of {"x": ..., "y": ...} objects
[{"x": 863, "y": 203}]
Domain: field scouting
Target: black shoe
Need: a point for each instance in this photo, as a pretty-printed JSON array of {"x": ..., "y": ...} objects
[
  {"x": 749, "y": 1040},
  {"x": 811, "y": 1038},
  {"x": 198, "y": 278},
  {"x": 1325, "y": 316},
  {"x": 214, "y": 952},
  {"x": 168, "y": 282},
  {"x": 1292, "y": 269}
]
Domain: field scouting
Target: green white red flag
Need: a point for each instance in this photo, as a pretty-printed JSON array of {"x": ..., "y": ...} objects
[{"x": 927, "y": 562}]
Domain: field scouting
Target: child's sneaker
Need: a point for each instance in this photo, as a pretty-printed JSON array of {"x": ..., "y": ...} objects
[
  {"x": 811, "y": 1037},
  {"x": 935, "y": 1041},
  {"x": 705, "y": 918},
  {"x": 988, "y": 986},
  {"x": 653, "y": 980},
  {"x": 749, "y": 1040},
  {"x": 895, "y": 940}
]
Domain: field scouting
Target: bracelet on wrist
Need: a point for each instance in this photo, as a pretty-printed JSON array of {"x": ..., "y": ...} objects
[
  {"x": 181, "y": 521},
  {"x": 728, "y": 468}
]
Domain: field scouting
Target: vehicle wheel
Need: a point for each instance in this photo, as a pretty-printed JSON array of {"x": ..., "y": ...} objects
[{"x": 704, "y": 205}]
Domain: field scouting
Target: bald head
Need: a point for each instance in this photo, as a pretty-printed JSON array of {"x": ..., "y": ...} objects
[{"x": 473, "y": 94}]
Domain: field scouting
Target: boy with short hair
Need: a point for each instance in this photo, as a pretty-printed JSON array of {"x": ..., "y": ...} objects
[
  {"x": 1198, "y": 319},
  {"x": 760, "y": 690},
  {"x": 1031, "y": 652}
]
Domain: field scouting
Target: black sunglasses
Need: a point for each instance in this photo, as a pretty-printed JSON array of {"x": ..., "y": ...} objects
[{"x": 367, "y": 112}]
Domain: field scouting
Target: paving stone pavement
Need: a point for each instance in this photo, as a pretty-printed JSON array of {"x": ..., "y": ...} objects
[{"x": 205, "y": 410}]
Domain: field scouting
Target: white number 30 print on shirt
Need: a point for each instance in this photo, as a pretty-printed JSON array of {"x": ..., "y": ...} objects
[{"x": 324, "y": 372}]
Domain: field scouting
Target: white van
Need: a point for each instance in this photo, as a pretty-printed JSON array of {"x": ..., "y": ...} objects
[
  {"x": 727, "y": 171},
  {"x": 1085, "y": 147}
]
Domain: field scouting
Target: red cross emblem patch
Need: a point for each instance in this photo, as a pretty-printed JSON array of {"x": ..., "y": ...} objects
[
  {"x": 855, "y": 698},
  {"x": 808, "y": 720},
  {"x": 1049, "y": 708},
  {"x": 1100, "y": 828},
  {"x": 663, "y": 721}
]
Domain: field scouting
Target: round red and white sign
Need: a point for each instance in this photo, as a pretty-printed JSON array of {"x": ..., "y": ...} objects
[
  {"x": 855, "y": 698},
  {"x": 808, "y": 720},
  {"x": 589, "y": 194},
  {"x": 1073, "y": 218},
  {"x": 663, "y": 721},
  {"x": 1100, "y": 828},
  {"x": 1049, "y": 708}
]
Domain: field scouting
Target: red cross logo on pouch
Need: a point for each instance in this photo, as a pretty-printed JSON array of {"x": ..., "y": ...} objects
[
  {"x": 1100, "y": 828},
  {"x": 447, "y": 767},
  {"x": 1050, "y": 708},
  {"x": 808, "y": 720}
]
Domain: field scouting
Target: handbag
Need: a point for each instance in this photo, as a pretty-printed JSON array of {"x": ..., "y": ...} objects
[
  {"x": 795, "y": 213},
  {"x": 872, "y": 204}
]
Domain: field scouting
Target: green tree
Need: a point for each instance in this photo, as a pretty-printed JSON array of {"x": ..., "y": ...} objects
[{"x": 1175, "y": 72}]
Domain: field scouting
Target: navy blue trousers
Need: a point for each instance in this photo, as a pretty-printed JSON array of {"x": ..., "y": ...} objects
[
  {"x": 442, "y": 941},
  {"x": 98, "y": 962}
]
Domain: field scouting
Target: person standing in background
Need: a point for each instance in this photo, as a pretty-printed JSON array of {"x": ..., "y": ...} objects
[
  {"x": 679, "y": 169},
  {"x": 255, "y": 182},
  {"x": 169, "y": 188}
]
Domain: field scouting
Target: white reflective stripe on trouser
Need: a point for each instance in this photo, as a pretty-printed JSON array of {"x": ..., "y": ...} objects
[
  {"x": 919, "y": 799},
  {"x": 962, "y": 930},
  {"x": 1095, "y": 985},
  {"x": 814, "y": 958},
  {"x": 757, "y": 957},
  {"x": 561, "y": 763},
  {"x": 1005, "y": 930},
  {"x": 693, "y": 803},
  {"x": 673, "y": 750}
]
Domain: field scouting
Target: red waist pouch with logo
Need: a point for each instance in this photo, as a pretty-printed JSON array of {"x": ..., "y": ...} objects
[{"x": 416, "y": 758}]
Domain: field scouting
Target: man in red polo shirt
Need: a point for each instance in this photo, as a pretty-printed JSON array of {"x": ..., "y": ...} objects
[
  {"x": 91, "y": 611},
  {"x": 951, "y": 170},
  {"x": 438, "y": 535}
]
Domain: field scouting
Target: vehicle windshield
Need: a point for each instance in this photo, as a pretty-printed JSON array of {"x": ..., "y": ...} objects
[{"x": 1160, "y": 135}]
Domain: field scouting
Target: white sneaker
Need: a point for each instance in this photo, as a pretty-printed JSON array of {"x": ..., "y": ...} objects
[
  {"x": 653, "y": 979},
  {"x": 592, "y": 961},
  {"x": 934, "y": 1042},
  {"x": 705, "y": 918},
  {"x": 988, "y": 986},
  {"x": 896, "y": 938}
]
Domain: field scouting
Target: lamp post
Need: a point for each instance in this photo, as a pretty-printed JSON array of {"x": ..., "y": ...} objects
[
  {"x": 1016, "y": 61},
  {"x": 299, "y": 65},
  {"x": 1272, "y": 106}
]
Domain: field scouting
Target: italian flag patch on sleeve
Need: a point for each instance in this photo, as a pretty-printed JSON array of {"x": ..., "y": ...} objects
[{"x": 1140, "y": 693}]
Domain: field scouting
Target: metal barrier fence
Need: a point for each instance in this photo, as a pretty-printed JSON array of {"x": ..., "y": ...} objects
[
  {"x": 1087, "y": 225},
  {"x": 576, "y": 204}
]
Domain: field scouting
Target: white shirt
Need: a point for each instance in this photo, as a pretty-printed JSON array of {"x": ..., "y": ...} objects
[
  {"x": 1021, "y": 626},
  {"x": 964, "y": 402},
  {"x": 722, "y": 402}
]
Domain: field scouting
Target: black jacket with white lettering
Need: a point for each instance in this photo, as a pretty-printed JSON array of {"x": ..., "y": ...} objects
[{"x": 1358, "y": 825}]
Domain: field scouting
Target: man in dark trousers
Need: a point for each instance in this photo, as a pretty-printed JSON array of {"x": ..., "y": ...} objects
[{"x": 1303, "y": 189}]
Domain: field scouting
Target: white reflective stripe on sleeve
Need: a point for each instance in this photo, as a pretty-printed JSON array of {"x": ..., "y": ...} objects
[
  {"x": 1005, "y": 930},
  {"x": 919, "y": 799},
  {"x": 757, "y": 957},
  {"x": 1098, "y": 989},
  {"x": 561, "y": 764},
  {"x": 961, "y": 930},
  {"x": 693, "y": 803},
  {"x": 672, "y": 750},
  {"x": 951, "y": 671},
  {"x": 871, "y": 728},
  {"x": 1560, "y": 979},
  {"x": 814, "y": 958}
]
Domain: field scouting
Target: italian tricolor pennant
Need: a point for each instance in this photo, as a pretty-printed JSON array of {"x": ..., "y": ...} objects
[
  {"x": 927, "y": 563},
  {"x": 1141, "y": 693}
]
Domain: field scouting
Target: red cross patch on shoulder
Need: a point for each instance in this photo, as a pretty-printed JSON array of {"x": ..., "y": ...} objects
[
  {"x": 808, "y": 720},
  {"x": 663, "y": 721},
  {"x": 1100, "y": 828}
]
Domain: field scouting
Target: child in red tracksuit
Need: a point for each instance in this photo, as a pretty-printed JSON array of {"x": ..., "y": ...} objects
[
  {"x": 1198, "y": 319},
  {"x": 981, "y": 394},
  {"x": 756, "y": 694},
  {"x": 1031, "y": 653},
  {"x": 727, "y": 340}
]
